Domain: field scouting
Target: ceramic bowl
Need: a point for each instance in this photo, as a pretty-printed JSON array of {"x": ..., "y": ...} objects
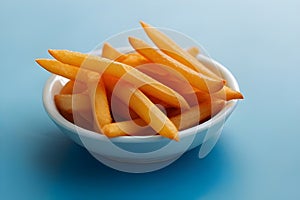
[{"x": 142, "y": 153}]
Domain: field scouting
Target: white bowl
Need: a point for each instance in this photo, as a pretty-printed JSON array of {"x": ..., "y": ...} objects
[{"x": 142, "y": 153}]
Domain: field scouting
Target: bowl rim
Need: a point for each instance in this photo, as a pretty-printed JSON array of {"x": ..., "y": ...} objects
[{"x": 49, "y": 105}]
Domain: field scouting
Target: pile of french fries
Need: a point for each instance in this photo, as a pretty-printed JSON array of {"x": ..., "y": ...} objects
[{"x": 157, "y": 90}]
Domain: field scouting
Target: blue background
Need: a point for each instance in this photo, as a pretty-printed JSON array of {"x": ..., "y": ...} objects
[{"x": 257, "y": 156}]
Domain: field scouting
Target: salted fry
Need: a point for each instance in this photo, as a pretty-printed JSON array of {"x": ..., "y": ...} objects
[
  {"x": 133, "y": 59},
  {"x": 117, "y": 106},
  {"x": 123, "y": 111},
  {"x": 75, "y": 108},
  {"x": 227, "y": 94},
  {"x": 68, "y": 88},
  {"x": 182, "y": 121},
  {"x": 102, "y": 65},
  {"x": 68, "y": 71},
  {"x": 204, "y": 111},
  {"x": 67, "y": 116},
  {"x": 100, "y": 106},
  {"x": 169, "y": 47},
  {"x": 109, "y": 52},
  {"x": 193, "y": 51},
  {"x": 132, "y": 127},
  {"x": 146, "y": 110},
  {"x": 167, "y": 76},
  {"x": 157, "y": 101},
  {"x": 69, "y": 102},
  {"x": 195, "y": 79}
]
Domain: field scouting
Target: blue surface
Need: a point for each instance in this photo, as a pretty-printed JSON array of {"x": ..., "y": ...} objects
[{"x": 257, "y": 156}]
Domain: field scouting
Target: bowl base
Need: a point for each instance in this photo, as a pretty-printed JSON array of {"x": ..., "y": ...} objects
[{"x": 135, "y": 167}]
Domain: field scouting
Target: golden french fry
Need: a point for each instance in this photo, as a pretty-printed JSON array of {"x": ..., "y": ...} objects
[
  {"x": 197, "y": 80},
  {"x": 146, "y": 110},
  {"x": 168, "y": 77},
  {"x": 132, "y": 127},
  {"x": 68, "y": 71},
  {"x": 69, "y": 102},
  {"x": 204, "y": 111},
  {"x": 73, "y": 73},
  {"x": 102, "y": 65},
  {"x": 193, "y": 51},
  {"x": 68, "y": 116},
  {"x": 182, "y": 121},
  {"x": 157, "y": 101},
  {"x": 133, "y": 59},
  {"x": 122, "y": 109},
  {"x": 169, "y": 47},
  {"x": 100, "y": 106},
  {"x": 109, "y": 52},
  {"x": 196, "y": 96},
  {"x": 69, "y": 86},
  {"x": 227, "y": 94},
  {"x": 77, "y": 104}
]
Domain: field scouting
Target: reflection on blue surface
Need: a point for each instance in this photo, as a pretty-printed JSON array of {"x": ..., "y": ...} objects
[{"x": 257, "y": 156}]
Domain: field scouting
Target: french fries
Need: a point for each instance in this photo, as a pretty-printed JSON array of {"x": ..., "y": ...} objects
[
  {"x": 197, "y": 114},
  {"x": 146, "y": 110},
  {"x": 116, "y": 104},
  {"x": 142, "y": 106},
  {"x": 111, "y": 53},
  {"x": 76, "y": 108},
  {"x": 121, "y": 111},
  {"x": 169, "y": 47},
  {"x": 182, "y": 121},
  {"x": 149, "y": 91},
  {"x": 100, "y": 106},
  {"x": 71, "y": 102},
  {"x": 68, "y": 71},
  {"x": 125, "y": 128},
  {"x": 227, "y": 94},
  {"x": 116, "y": 69},
  {"x": 133, "y": 59},
  {"x": 195, "y": 79},
  {"x": 167, "y": 76},
  {"x": 68, "y": 88}
]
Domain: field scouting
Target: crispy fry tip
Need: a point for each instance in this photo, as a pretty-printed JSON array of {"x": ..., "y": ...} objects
[
  {"x": 40, "y": 61},
  {"x": 51, "y": 51},
  {"x": 143, "y": 24},
  {"x": 54, "y": 53},
  {"x": 176, "y": 138},
  {"x": 240, "y": 95},
  {"x": 106, "y": 44},
  {"x": 130, "y": 38},
  {"x": 37, "y": 60}
]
